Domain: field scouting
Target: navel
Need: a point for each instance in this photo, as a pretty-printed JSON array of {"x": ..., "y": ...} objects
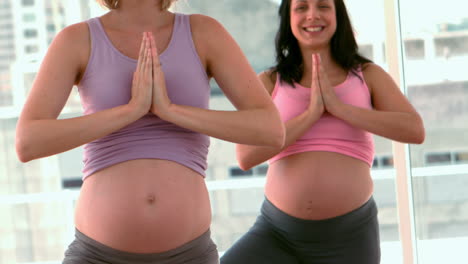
[{"x": 151, "y": 199}]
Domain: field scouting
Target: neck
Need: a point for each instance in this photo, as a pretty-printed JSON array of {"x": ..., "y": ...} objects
[{"x": 140, "y": 14}]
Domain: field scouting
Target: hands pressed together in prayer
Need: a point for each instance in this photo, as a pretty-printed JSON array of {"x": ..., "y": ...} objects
[
  {"x": 322, "y": 96},
  {"x": 149, "y": 92}
]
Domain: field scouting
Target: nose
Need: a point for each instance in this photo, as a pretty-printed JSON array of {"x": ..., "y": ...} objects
[{"x": 313, "y": 14}]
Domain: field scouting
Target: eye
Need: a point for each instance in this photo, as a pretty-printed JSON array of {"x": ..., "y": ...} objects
[{"x": 300, "y": 8}]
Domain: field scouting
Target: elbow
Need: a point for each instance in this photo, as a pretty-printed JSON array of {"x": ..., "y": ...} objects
[
  {"x": 245, "y": 166},
  {"x": 419, "y": 138},
  {"x": 272, "y": 129},
  {"x": 244, "y": 162},
  {"x": 278, "y": 137},
  {"x": 22, "y": 156},
  {"x": 22, "y": 151},
  {"x": 418, "y": 134},
  {"x": 244, "y": 158}
]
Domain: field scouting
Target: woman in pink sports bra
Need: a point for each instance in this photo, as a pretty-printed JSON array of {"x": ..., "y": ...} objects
[
  {"x": 143, "y": 75},
  {"x": 318, "y": 204}
]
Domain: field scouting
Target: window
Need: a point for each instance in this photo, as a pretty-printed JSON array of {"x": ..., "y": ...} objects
[
  {"x": 446, "y": 158},
  {"x": 27, "y": 2},
  {"x": 438, "y": 79},
  {"x": 452, "y": 44},
  {"x": 414, "y": 48},
  {"x": 30, "y": 33},
  {"x": 29, "y": 17},
  {"x": 461, "y": 157},
  {"x": 31, "y": 49},
  {"x": 438, "y": 158},
  {"x": 261, "y": 169},
  {"x": 382, "y": 162},
  {"x": 51, "y": 28},
  {"x": 367, "y": 51},
  {"x": 72, "y": 183},
  {"x": 238, "y": 172},
  {"x": 257, "y": 171}
]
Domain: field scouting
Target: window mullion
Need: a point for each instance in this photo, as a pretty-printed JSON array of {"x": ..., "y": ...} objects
[{"x": 400, "y": 151}]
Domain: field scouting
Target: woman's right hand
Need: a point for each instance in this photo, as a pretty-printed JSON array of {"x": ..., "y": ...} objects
[
  {"x": 316, "y": 106},
  {"x": 143, "y": 79}
]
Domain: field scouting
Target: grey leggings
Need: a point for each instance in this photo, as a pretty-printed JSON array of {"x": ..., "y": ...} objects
[
  {"x": 84, "y": 250},
  {"x": 278, "y": 238}
]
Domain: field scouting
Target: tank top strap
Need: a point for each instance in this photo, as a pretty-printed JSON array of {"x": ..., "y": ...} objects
[
  {"x": 97, "y": 33},
  {"x": 277, "y": 85},
  {"x": 182, "y": 23},
  {"x": 181, "y": 38},
  {"x": 183, "y": 31},
  {"x": 358, "y": 71}
]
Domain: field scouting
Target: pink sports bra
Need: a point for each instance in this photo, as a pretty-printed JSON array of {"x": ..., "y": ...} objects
[{"x": 328, "y": 133}]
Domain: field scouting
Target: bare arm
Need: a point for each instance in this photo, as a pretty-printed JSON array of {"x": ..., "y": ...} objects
[
  {"x": 393, "y": 116},
  {"x": 249, "y": 156},
  {"x": 39, "y": 133},
  {"x": 256, "y": 114}
]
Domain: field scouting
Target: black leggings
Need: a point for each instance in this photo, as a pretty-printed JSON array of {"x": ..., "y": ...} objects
[
  {"x": 278, "y": 238},
  {"x": 85, "y": 250}
]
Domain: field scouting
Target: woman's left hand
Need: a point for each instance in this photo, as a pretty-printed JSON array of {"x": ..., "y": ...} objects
[
  {"x": 160, "y": 102},
  {"x": 329, "y": 97}
]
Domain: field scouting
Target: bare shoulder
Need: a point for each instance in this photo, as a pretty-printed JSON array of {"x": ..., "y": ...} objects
[
  {"x": 268, "y": 79},
  {"x": 215, "y": 46},
  {"x": 202, "y": 24},
  {"x": 74, "y": 40},
  {"x": 209, "y": 33},
  {"x": 74, "y": 35},
  {"x": 72, "y": 46},
  {"x": 372, "y": 72},
  {"x": 376, "y": 77}
]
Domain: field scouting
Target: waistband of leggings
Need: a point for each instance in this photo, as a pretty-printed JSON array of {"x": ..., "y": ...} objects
[
  {"x": 200, "y": 243},
  {"x": 306, "y": 228}
]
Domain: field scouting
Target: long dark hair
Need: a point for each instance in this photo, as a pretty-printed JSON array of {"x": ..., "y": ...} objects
[{"x": 343, "y": 46}]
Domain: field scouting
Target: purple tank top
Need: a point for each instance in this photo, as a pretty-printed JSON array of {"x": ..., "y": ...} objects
[{"x": 107, "y": 83}]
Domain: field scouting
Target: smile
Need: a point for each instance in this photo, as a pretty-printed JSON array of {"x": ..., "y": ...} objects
[{"x": 313, "y": 29}]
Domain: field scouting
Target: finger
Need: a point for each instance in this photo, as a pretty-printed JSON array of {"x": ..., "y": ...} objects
[
  {"x": 154, "y": 52},
  {"x": 321, "y": 70},
  {"x": 315, "y": 81},
  {"x": 135, "y": 77},
  {"x": 147, "y": 62},
  {"x": 148, "y": 65},
  {"x": 141, "y": 54},
  {"x": 134, "y": 82},
  {"x": 147, "y": 56}
]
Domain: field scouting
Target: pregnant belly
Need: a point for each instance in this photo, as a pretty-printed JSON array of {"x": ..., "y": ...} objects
[
  {"x": 144, "y": 206},
  {"x": 318, "y": 185}
]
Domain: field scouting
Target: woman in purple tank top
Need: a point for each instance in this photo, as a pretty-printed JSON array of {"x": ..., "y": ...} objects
[
  {"x": 318, "y": 204},
  {"x": 143, "y": 75}
]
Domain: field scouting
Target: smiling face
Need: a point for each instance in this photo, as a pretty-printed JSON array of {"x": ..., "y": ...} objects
[{"x": 313, "y": 22}]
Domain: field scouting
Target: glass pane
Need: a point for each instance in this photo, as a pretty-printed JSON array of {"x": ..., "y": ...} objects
[
  {"x": 234, "y": 212},
  {"x": 436, "y": 56},
  {"x": 36, "y": 217},
  {"x": 367, "y": 17},
  {"x": 35, "y": 232}
]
